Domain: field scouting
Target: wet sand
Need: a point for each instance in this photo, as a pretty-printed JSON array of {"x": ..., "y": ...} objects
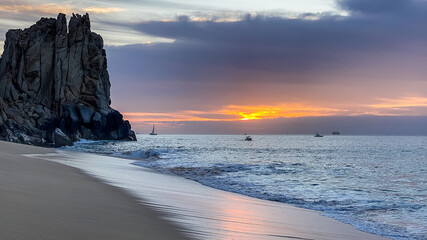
[
  {"x": 46, "y": 200},
  {"x": 204, "y": 212}
]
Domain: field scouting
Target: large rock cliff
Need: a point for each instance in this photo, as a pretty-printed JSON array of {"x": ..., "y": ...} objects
[{"x": 55, "y": 87}]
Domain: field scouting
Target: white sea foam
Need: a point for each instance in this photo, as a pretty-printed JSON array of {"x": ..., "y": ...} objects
[
  {"x": 207, "y": 213},
  {"x": 377, "y": 184}
]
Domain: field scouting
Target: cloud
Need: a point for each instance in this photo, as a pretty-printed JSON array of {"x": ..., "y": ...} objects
[
  {"x": 404, "y": 102},
  {"x": 103, "y": 10},
  {"x": 379, "y": 6},
  {"x": 342, "y": 32},
  {"x": 280, "y": 49},
  {"x": 49, "y": 8},
  {"x": 235, "y": 113},
  {"x": 179, "y": 116},
  {"x": 40, "y": 9},
  {"x": 54, "y": 8},
  {"x": 289, "y": 110},
  {"x": 406, "y": 106},
  {"x": 154, "y": 4}
]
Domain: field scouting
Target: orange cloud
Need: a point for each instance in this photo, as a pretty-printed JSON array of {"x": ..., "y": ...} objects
[
  {"x": 386, "y": 107},
  {"x": 285, "y": 110},
  {"x": 54, "y": 8},
  {"x": 234, "y": 113},
  {"x": 405, "y": 102},
  {"x": 180, "y": 116},
  {"x": 103, "y": 10},
  {"x": 47, "y": 8}
]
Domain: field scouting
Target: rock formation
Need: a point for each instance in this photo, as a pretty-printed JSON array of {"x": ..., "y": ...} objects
[{"x": 55, "y": 87}]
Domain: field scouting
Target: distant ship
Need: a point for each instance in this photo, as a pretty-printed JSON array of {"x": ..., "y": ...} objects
[
  {"x": 336, "y": 133},
  {"x": 318, "y": 135},
  {"x": 248, "y": 138},
  {"x": 153, "y": 132}
]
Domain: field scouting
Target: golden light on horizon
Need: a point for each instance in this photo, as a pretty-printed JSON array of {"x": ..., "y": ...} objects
[
  {"x": 236, "y": 113},
  {"x": 255, "y": 115},
  {"x": 229, "y": 113},
  {"x": 179, "y": 116},
  {"x": 280, "y": 111}
]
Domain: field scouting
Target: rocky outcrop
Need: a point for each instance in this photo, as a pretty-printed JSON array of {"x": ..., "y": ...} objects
[{"x": 54, "y": 84}]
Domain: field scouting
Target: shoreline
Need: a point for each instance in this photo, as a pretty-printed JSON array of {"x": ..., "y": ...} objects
[
  {"x": 193, "y": 206},
  {"x": 46, "y": 200}
]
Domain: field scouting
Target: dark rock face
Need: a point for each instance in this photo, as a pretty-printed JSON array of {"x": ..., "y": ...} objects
[
  {"x": 61, "y": 139},
  {"x": 56, "y": 81}
]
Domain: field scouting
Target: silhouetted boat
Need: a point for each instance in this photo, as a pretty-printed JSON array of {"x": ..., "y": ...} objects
[
  {"x": 248, "y": 138},
  {"x": 318, "y": 135},
  {"x": 153, "y": 132},
  {"x": 336, "y": 133}
]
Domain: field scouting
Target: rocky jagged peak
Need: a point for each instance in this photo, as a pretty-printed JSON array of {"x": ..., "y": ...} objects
[
  {"x": 54, "y": 77},
  {"x": 79, "y": 27}
]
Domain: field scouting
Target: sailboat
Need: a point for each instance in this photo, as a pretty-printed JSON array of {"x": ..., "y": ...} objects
[
  {"x": 153, "y": 132},
  {"x": 318, "y": 135}
]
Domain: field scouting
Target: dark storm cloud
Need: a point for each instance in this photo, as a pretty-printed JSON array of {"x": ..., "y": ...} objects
[
  {"x": 201, "y": 61},
  {"x": 354, "y": 32},
  {"x": 288, "y": 49},
  {"x": 380, "y": 6},
  {"x": 278, "y": 33}
]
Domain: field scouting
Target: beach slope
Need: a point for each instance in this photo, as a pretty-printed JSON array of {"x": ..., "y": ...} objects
[{"x": 46, "y": 200}]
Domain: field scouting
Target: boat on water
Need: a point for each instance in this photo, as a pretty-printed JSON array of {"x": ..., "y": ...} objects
[
  {"x": 248, "y": 138},
  {"x": 318, "y": 135},
  {"x": 336, "y": 133},
  {"x": 153, "y": 132}
]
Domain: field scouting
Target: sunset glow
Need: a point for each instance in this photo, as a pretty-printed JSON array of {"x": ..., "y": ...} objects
[
  {"x": 103, "y": 10},
  {"x": 47, "y": 8},
  {"x": 280, "y": 111},
  {"x": 235, "y": 62},
  {"x": 398, "y": 103},
  {"x": 234, "y": 113},
  {"x": 399, "y": 106}
]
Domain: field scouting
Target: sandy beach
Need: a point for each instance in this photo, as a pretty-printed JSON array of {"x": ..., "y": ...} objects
[
  {"x": 213, "y": 120},
  {"x": 47, "y": 200}
]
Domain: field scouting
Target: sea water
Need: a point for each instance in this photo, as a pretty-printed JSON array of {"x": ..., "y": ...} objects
[{"x": 376, "y": 183}]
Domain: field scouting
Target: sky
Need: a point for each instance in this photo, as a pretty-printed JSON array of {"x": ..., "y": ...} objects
[{"x": 258, "y": 67}]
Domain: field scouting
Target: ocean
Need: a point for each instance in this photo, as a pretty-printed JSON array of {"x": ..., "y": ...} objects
[{"x": 378, "y": 184}]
